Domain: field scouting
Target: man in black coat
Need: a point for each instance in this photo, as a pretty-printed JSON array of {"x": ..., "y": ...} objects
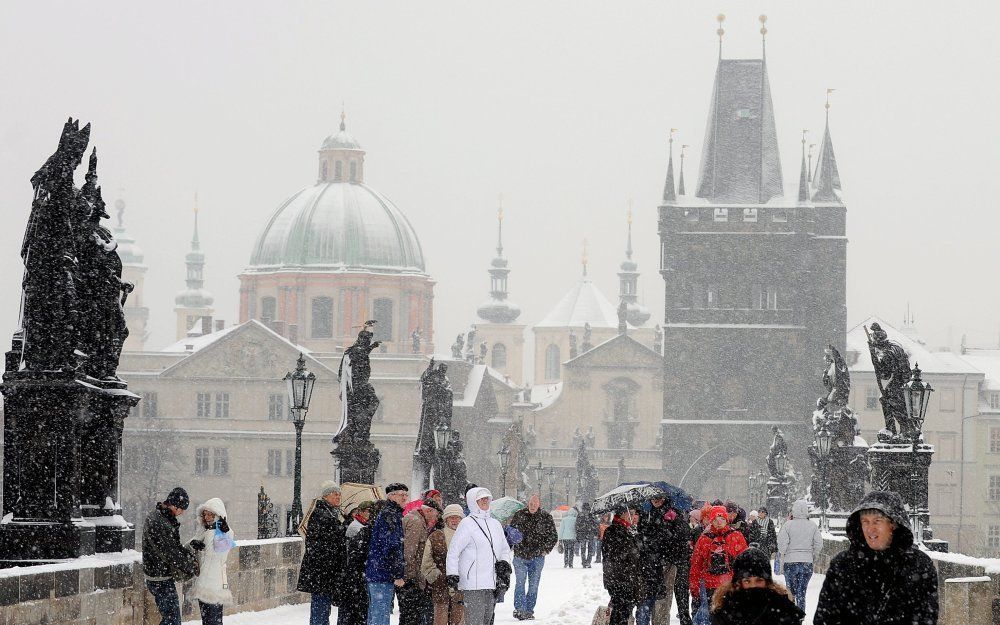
[
  {"x": 164, "y": 559},
  {"x": 767, "y": 535},
  {"x": 623, "y": 576},
  {"x": 587, "y": 529},
  {"x": 882, "y": 577},
  {"x": 539, "y": 538},
  {"x": 663, "y": 537},
  {"x": 325, "y": 557}
]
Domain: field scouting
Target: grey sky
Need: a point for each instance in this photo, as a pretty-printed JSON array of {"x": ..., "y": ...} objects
[{"x": 564, "y": 107}]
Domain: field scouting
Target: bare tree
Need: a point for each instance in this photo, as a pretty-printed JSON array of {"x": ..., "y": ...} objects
[{"x": 151, "y": 461}]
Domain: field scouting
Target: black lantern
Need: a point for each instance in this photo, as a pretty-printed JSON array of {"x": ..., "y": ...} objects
[
  {"x": 781, "y": 463},
  {"x": 300, "y": 388},
  {"x": 918, "y": 396},
  {"x": 441, "y": 436},
  {"x": 504, "y": 455},
  {"x": 823, "y": 441}
]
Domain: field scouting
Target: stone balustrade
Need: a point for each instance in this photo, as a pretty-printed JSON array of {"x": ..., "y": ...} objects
[{"x": 109, "y": 589}]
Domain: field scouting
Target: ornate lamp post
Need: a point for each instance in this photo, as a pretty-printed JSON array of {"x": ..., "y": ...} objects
[
  {"x": 917, "y": 394},
  {"x": 504, "y": 455},
  {"x": 823, "y": 441},
  {"x": 552, "y": 479},
  {"x": 781, "y": 464},
  {"x": 752, "y": 490},
  {"x": 568, "y": 478},
  {"x": 442, "y": 475},
  {"x": 300, "y": 388},
  {"x": 538, "y": 477}
]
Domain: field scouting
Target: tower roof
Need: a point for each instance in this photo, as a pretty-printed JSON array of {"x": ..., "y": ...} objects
[
  {"x": 342, "y": 140},
  {"x": 499, "y": 309},
  {"x": 740, "y": 161},
  {"x": 583, "y": 303},
  {"x": 195, "y": 295},
  {"x": 826, "y": 181}
]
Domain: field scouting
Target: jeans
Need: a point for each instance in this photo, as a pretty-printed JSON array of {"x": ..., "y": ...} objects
[
  {"x": 568, "y": 548},
  {"x": 319, "y": 608},
  {"x": 479, "y": 606},
  {"x": 530, "y": 571},
  {"x": 644, "y": 611},
  {"x": 211, "y": 613},
  {"x": 165, "y": 595},
  {"x": 587, "y": 548},
  {"x": 797, "y": 576},
  {"x": 379, "y": 603}
]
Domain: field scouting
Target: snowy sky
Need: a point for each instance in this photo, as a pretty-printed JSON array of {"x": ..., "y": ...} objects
[{"x": 564, "y": 107}]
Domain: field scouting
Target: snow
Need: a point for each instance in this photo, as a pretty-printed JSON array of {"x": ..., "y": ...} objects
[
  {"x": 930, "y": 362},
  {"x": 544, "y": 395},
  {"x": 86, "y": 562},
  {"x": 108, "y": 521},
  {"x": 967, "y": 580},
  {"x": 565, "y": 597},
  {"x": 584, "y": 303}
]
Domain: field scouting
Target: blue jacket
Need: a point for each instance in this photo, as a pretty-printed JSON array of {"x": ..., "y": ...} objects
[{"x": 385, "y": 552}]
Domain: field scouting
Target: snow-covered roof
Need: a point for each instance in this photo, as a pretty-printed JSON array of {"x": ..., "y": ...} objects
[
  {"x": 987, "y": 361},
  {"x": 584, "y": 303},
  {"x": 198, "y": 342},
  {"x": 929, "y": 361},
  {"x": 544, "y": 395}
]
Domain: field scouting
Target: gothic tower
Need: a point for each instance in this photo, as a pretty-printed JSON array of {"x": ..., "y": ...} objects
[{"x": 195, "y": 302}]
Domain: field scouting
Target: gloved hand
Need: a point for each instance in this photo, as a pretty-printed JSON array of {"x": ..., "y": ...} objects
[
  {"x": 452, "y": 581},
  {"x": 223, "y": 525},
  {"x": 197, "y": 545}
]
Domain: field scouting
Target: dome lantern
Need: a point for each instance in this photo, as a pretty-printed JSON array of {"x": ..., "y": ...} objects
[{"x": 341, "y": 158}]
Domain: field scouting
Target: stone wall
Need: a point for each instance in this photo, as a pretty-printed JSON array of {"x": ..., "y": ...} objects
[
  {"x": 969, "y": 587},
  {"x": 108, "y": 589}
]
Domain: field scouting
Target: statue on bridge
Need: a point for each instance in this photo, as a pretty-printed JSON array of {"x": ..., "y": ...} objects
[
  {"x": 892, "y": 372},
  {"x": 436, "y": 400},
  {"x": 357, "y": 456}
]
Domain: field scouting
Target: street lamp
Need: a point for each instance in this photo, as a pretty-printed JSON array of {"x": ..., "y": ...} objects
[
  {"x": 568, "y": 480},
  {"x": 917, "y": 394},
  {"x": 538, "y": 478},
  {"x": 300, "y": 389},
  {"x": 504, "y": 455},
  {"x": 823, "y": 441},
  {"x": 552, "y": 479}
]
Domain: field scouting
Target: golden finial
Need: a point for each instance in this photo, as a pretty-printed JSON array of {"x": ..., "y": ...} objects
[
  {"x": 805, "y": 131},
  {"x": 195, "y": 202},
  {"x": 583, "y": 258},
  {"x": 500, "y": 208},
  {"x": 828, "y": 92},
  {"x": 720, "y": 32},
  {"x": 763, "y": 26},
  {"x": 343, "y": 116}
]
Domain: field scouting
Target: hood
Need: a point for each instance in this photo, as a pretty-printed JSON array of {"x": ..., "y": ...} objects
[
  {"x": 800, "y": 509},
  {"x": 716, "y": 512},
  {"x": 212, "y": 505},
  {"x": 570, "y": 512},
  {"x": 475, "y": 495},
  {"x": 889, "y": 504}
]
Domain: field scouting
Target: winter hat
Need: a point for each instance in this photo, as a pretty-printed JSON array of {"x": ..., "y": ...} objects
[
  {"x": 359, "y": 507},
  {"x": 453, "y": 510},
  {"x": 431, "y": 493},
  {"x": 430, "y": 503},
  {"x": 716, "y": 512},
  {"x": 396, "y": 487},
  {"x": 695, "y": 516},
  {"x": 751, "y": 563},
  {"x": 178, "y": 497},
  {"x": 753, "y": 515},
  {"x": 328, "y": 487}
]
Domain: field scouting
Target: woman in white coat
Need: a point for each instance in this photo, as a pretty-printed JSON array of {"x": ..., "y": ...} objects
[
  {"x": 478, "y": 544},
  {"x": 211, "y": 587}
]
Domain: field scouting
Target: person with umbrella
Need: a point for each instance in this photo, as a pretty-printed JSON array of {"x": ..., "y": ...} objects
[{"x": 623, "y": 575}]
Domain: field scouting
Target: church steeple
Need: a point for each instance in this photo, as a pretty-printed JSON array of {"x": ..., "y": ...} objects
[
  {"x": 803, "y": 172},
  {"x": 628, "y": 281},
  {"x": 826, "y": 181},
  {"x": 134, "y": 271},
  {"x": 341, "y": 158},
  {"x": 195, "y": 301},
  {"x": 668, "y": 187},
  {"x": 680, "y": 179},
  {"x": 499, "y": 309}
]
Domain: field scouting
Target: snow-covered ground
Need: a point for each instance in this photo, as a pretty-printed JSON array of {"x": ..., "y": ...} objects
[{"x": 565, "y": 597}]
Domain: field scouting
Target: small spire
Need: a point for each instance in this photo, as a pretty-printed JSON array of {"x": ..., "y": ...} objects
[
  {"x": 668, "y": 187},
  {"x": 763, "y": 36},
  {"x": 680, "y": 180},
  {"x": 500, "y": 226},
  {"x": 811, "y": 146},
  {"x": 827, "y": 106},
  {"x": 628, "y": 245},
  {"x": 343, "y": 116},
  {"x": 583, "y": 259},
  {"x": 803, "y": 172},
  {"x": 720, "y": 18},
  {"x": 826, "y": 180},
  {"x": 194, "y": 239}
]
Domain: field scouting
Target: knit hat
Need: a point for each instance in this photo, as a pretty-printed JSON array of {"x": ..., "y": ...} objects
[
  {"x": 430, "y": 503},
  {"x": 453, "y": 510},
  {"x": 329, "y": 487},
  {"x": 695, "y": 515},
  {"x": 751, "y": 563},
  {"x": 395, "y": 487},
  {"x": 431, "y": 493},
  {"x": 178, "y": 497}
]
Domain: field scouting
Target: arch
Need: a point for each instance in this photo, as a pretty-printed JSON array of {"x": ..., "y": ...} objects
[
  {"x": 354, "y": 171},
  {"x": 324, "y": 171},
  {"x": 553, "y": 362},
  {"x": 499, "y": 360}
]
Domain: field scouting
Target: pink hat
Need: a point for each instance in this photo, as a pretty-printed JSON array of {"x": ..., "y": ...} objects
[{"x": 695, "y": 516}]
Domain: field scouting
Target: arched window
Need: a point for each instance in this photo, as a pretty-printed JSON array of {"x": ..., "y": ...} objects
[
  {"x": 268, "y": 308},
  {"x": 552, "y": 362},
  {"x": 322, "y": 317},
  {"x": 382, "y": 313},
  {"x": 338, "y": 170},
  {"x": 499, "y": 356},
  {"x": 324, "y": 171},
  {"x": 354, "y": 171}
]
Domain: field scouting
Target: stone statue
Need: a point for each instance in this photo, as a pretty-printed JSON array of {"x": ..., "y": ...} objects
[
  {"x": 526, "y": 392},
  {"x": 415, "y": 339},
  {"x": 483, "y": 350},
  {"x": 836, "y": 379},
  {"x": 586, "y": 476},
  {"x": 587, "y": 332},
  {"x": 591, "y": 437},
  {"x": 530, "y": 437},
  {"x": 892, "y": 372},
  {"x": 457, "y": 347},
  {"x": 356, "y": 392},
  {"x": 778, "y": 447},
  {"x": 622, "y": 317},
  {"x": 436, "y": 401},
  {"x": 573, "y": 350},
  {"x": 658, "y": 339},
  {"x": 621, "y": 470},
  {"x": 470, "y": 343},
  {"x": 832, "y": 411},
  {"x": 577, "y": 437}
]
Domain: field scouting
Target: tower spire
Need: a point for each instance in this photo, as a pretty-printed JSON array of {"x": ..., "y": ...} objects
[
  {"x": 499, "y": 309},
  {"x": 343, "y": 116},
  {"x": 668, "y": 186},
  {"x": 628, "y": 244},
  {"x": 763, "y": 36},
  {"x": 810, "y": 153},
  {"x": 628, "y": 281},
  {"x": 680, "y": 179},
  {"x": 195, "y": 301},
  {"x": 826, "y": 181},
  {"x": 720, "y": 31},
  {"x": 803, "y": 172},
  {"x": 195, "y": 243},
  {"x": 500, "y": 226},
  {"x": 583, "y": 258}
]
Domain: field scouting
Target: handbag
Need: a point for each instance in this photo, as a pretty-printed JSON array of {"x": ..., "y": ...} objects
[
  {"x": 221, "y": 542},
  {"x": 501, "y": 568}
]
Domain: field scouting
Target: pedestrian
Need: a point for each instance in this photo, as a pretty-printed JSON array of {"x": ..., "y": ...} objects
[
  {"x": 567, "y": 537},
  {"x": 712, "y": 560},
  {"x": 663, "y": 537},
  {"x": 738, "y": 519},
  {"x": 212, "y": 543},
  {"x": 478, "y": 559},
  {"x": 768, "y": 537},
  {"x": 623, "y": 575},
  {"x": 540, "y": 537},
  {"x": 325, "y": 555},
  {"x": 353, "y": 608},
  {"x": 164, "y": 560},
  {"x": 753, "y": 597},
  {"x": 799, "y": 543},
  {"x": 604, "y": 524},
  {"x": 414, "y": 600},
  {"x": 448, "y": 608},
  {"x": 882, "y": 577},
  {"x": 753, "y": 535},
  {"x": 385, "y": 566},
  {"x": 587, "y": 529}
]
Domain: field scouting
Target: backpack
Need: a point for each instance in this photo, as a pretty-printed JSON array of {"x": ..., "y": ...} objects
[{"x": 719, "y": 563}]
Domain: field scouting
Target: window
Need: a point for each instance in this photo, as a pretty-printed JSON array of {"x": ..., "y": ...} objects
[
  {"x": 149, "y": 409},
  {"x": 268, "y": 308},
  {"x": 779, "y": 217},
  {"x": 994, "y": 493},
  {"x": 220, "y": 464},
  {"x": 382, "y": 313},
  {"x": 871, "y": 398},
  {"x": 994, "y": 401},
  {"x": 552, "y": 362},
  {"x": 750, "y": 214},
  {"x": 322, "y": 318},
  {"x": 499, "y": 356},
  {"x": 995, "y": 440},
  {"x": 354, "y": 171},
  {"x": 711, "y": 297},
  {"x": 947, "y": 399},
  {"x": 204, "y": 405},
  {"x": 993, "y": 540},
  {"x": 274, "y": 462},
  {"x": 766, "y": 298},
  {"x": 722, "y": 214},
  {"x": 275, "y": 407},
  {"x": 222, "y": 405},
  {"x": 946, "y": 446},
  {"x": 201, "y": 461},
  {"x": 324, "y": 171},
  {"x": 692, "y": 214},
  {"x": 338, "y": 171}
]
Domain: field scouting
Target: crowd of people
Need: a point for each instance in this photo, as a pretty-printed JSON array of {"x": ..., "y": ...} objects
[{"x": 452, "y": 565}]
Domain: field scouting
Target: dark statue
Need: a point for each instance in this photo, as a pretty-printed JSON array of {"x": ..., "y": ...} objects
[
  {"x": 586, "y": 476},
  {"x": 587, "y": 337},
  {"x": 470, "y": 345},
  {"x": 832, "y": 411},
  {"x": 778, "y": 447},
  {"x": 483, "y": 350},
  {"x": 415, "y": 338},
  {"x": 436, "y": 401},
  {"x": 356, "y": 391},
  {"x": 892, "y": 372},
  {"x": 457, "y": 347}
]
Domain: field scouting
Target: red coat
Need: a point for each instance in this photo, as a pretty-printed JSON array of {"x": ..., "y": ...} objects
[{"x": 727, "y": 539}]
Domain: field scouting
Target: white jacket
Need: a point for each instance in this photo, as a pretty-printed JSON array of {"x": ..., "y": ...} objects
[
  {"x": 212, "y": 583},
  {"x": 470, "y": 555},
  {"x": 800, "y": 539}
]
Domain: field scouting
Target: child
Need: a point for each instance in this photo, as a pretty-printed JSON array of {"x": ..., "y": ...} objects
[{"x": 753, "y": 596}]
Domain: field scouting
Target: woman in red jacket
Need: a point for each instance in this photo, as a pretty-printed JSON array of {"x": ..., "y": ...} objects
[{"x": 712, "y": 561}]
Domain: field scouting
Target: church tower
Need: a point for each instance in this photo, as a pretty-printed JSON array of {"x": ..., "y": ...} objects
[
  {"x": 628, "y": 283},
  {"x": 134, "y": 271},
  {"x": 503, "y": 337},
  {"x": 193, "y": 303},
  {"x": 755, "y": 286}
]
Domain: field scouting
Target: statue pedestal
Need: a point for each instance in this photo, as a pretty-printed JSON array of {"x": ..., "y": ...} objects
[
  {"x": 43, "y": 413},
  {"x": 903, "y": 468},
  {"x": 357, "y": 460}
]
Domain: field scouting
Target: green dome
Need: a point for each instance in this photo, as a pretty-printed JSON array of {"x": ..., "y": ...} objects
[{"x": 340, "y": 226}]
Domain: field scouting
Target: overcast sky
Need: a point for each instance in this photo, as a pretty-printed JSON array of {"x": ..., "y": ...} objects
[{"x": 564, "y": 107}]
